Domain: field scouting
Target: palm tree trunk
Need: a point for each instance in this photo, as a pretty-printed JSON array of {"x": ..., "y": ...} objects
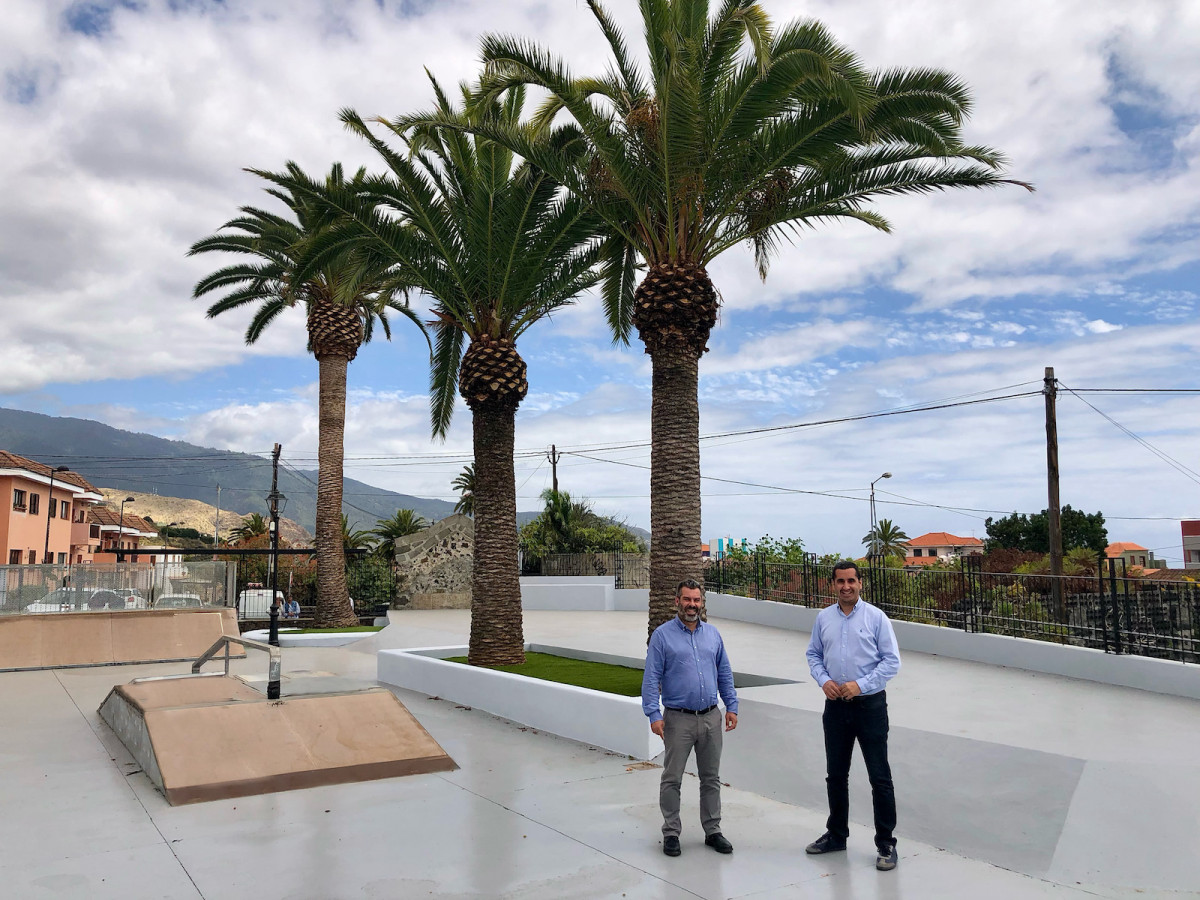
[
  {"x": 333, "y": 598},
  {"x": 497, "y": 631},
  {"x": 674, "y": 479}
]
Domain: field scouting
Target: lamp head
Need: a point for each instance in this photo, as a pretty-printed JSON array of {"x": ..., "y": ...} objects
[
  {"x": 886, "y": 475},
  {"x": 127, "y": 500}
]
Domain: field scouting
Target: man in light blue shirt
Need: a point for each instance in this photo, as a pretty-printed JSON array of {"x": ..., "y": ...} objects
[
  {"x": 852, "y": 656},
  {"x": 687, "y": 665}
]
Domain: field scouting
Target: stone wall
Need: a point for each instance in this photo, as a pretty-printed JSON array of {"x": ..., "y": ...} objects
[{"x": 433, "y": 567}]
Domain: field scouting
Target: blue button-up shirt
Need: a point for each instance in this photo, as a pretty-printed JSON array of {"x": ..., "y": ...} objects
[
  {"x": 690, "y": 669},
  {"x": 858, "y": 647}
]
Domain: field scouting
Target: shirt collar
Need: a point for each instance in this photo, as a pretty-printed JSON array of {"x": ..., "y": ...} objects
[
  {"x": 857, "y": 606},
  {"x": 683, "y": 627}
]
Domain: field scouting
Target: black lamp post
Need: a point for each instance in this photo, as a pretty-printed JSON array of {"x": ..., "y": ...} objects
[
  {"x": 276, "y": 502},
  {"x": 121, "y": 526},
  {"x": 50, "y": 509}
]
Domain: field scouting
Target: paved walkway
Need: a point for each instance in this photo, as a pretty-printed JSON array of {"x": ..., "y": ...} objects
[{"x": 1010, "y": 785}]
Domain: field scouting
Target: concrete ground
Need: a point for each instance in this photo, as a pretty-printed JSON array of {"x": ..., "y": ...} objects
[{"x": 1009, "y": 785}]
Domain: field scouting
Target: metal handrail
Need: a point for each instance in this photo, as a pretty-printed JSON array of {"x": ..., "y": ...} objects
[{"x": 274, "y": 665}]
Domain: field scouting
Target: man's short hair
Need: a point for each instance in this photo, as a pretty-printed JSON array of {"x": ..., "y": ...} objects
[
  {"x": 847, "y": 564},
  {"x": 691, "y": 584}
]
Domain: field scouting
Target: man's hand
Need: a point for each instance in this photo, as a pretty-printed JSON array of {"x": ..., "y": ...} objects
[
  {"x": 730, "y": 721},
  {"x": 850, "y": 690},
  {"x": 832, "y": 690},
  {"x": 657, "y": 727}
]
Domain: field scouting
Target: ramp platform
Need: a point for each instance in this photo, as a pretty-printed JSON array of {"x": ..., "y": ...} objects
[
  {"x": 99, "y": 638},
  {"x": 211, "y": 737}
]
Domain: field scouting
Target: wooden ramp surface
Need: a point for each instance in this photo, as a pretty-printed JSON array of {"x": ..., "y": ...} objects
[
  {"x": 101, "y": 637},
  {"x": 214, "y": 737}
]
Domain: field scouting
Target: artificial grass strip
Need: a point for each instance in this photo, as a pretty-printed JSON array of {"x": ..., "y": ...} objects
[{"x": 598, "y": 676}]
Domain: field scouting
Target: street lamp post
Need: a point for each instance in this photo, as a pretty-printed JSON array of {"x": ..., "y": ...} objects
[
  {"x": 276, "y": 502},
  {"x": 874, "y": 523},
  {"x": 50, "y": 509},
  {"x": 121, "y": 525}
]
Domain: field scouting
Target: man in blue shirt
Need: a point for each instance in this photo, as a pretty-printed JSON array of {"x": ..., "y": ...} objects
[
  {"x": 852, "y": 656},
  {"x": 686, "y": 663}
]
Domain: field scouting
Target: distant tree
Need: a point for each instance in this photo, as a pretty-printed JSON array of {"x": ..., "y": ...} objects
[
  {"x": 355, "y": 540},
  {"x": 772, "y": 550},
  {"x": 403, "y": 523},
  {"x": 571, "y": 526},
  {"x": 464, "y": 483},
  {"x": 252, "y": 526},
  {"x": 885, "y": 539},
  {"x": 1024, "y": 532}
]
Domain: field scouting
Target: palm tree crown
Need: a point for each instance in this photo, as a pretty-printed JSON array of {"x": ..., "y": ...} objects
[{"x": 885, "y": 539}]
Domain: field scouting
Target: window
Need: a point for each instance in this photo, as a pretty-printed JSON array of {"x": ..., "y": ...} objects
[
  {"x": 18, "y": 499},
  {"x": 62, "y": 558},
  {"x": 94, "y": 531},
  {"x": 14, "y": 557},
  {"x": 32, "y": 557},
  {"x": 34, "y": 503},
  {"x": 52, "y": 509},
  {"x": 917, "y": 553},
  {"x": 65, "y": 509}
]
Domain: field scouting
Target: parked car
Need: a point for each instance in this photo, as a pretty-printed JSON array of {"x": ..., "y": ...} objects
[
  {"x": 71, "y": 599},
  {"x": 177, "y": 601}
]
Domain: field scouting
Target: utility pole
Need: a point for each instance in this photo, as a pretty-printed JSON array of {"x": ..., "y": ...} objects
[
  {"x": 554, "y": 456},
  {"x": 217, "y": 520},
  {"x": 1050, "y": 389},
  {"x": 273, "y": 634}
]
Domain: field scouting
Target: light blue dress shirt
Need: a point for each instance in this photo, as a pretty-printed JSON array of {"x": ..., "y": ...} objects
[
  {"x": 689, "y": 667},
  {"x": 858, "y": 647}
]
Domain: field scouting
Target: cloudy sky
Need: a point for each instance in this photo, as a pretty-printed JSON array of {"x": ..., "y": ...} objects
[{"x": 126, "y": 126}]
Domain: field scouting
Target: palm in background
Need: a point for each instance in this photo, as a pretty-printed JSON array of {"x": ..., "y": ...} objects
[
  {"x": 464, "y": 483},
  {"x": 402, "y": 523},
  {"x": 739, "y": 132},
  {"x": 496, "y": 246},
  {"x": 343, "y": 296},
  {"x": 885, "y": 539}
]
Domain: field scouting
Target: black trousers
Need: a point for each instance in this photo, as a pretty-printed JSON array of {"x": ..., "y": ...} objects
[{"x": 865, "y": 719}]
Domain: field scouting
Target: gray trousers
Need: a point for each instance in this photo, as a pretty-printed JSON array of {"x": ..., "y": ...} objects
[{"x": 681, "y": 733}]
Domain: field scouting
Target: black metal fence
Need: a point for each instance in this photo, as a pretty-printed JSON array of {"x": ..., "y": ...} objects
[
  {"x": 1107, "y": 610},
  {"x": 629, "y": 570},
  {"x": 370, "y": 578}
]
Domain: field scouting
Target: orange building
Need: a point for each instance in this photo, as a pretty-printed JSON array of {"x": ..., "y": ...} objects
[
  {"x": 39, "y": 523},
  {"x": 939, "y": 546},
  {"x": 106, "y": 532}
]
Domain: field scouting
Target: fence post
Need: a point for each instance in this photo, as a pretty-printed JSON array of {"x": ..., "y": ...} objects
[
  {"x": 1116, "y": 609},
  {"x": 757, "y": 576}
]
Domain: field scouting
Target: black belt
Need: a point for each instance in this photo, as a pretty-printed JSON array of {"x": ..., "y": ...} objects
[{"x": 692, "y": 712}]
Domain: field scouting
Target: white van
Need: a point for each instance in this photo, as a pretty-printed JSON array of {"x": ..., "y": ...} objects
[{"x": 255, "y": 603}]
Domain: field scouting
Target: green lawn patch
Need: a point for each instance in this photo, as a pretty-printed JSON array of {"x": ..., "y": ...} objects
[
  {"x": 622, "y": 680},
  {"x": 333, "y": 630}
]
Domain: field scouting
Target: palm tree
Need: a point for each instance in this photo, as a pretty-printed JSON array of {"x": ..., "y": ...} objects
[
  {"x": 885, "y": 539},
  {"x": 464, "y": 483},
  {"x": 497, "y": 246},
  {"x": 354, "y": 539},
  {"x": 403, "y": 522},
  {"x": 740, "y": 132},
  {"x": 343, "y": 294},
  {"x": 252, "y": 526}
]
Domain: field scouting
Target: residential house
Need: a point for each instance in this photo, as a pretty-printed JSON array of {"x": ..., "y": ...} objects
[
  {"x": 721, "y": 547},
  {"x": 40, "y": 525},
  {"x": 939, "y": 546},
  {"x": 1133, "y": 554},
  {"x": 1191, "y": 543},
  {"x": 108, "y": 532}
]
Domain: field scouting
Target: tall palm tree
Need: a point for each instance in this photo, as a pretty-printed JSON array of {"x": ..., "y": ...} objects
[
  {"x": 464, "y": 483},
  {"x": 403, "y": 522},
  {"x": 497, "y": 246},
  {"x": 343, "y": 294},
  {"x": 739, "y": 132},
  {"x": 885, "y": 539},
  {"x": 252, "y": 526}
]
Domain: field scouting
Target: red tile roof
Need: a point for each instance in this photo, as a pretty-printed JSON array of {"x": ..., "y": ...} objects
[
  {"x": 13, "y": 461},
  {"x": 943, "y": 539},
  {"x": 1122, "y": 547},
  {"x": 102, "y": 515}
]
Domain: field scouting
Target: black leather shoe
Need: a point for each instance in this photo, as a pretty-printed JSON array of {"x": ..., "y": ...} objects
[
  {"x": 719, "y": 843},
  {"x": 826, "y": 843},
  {"x": 671, "y": 845}
]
